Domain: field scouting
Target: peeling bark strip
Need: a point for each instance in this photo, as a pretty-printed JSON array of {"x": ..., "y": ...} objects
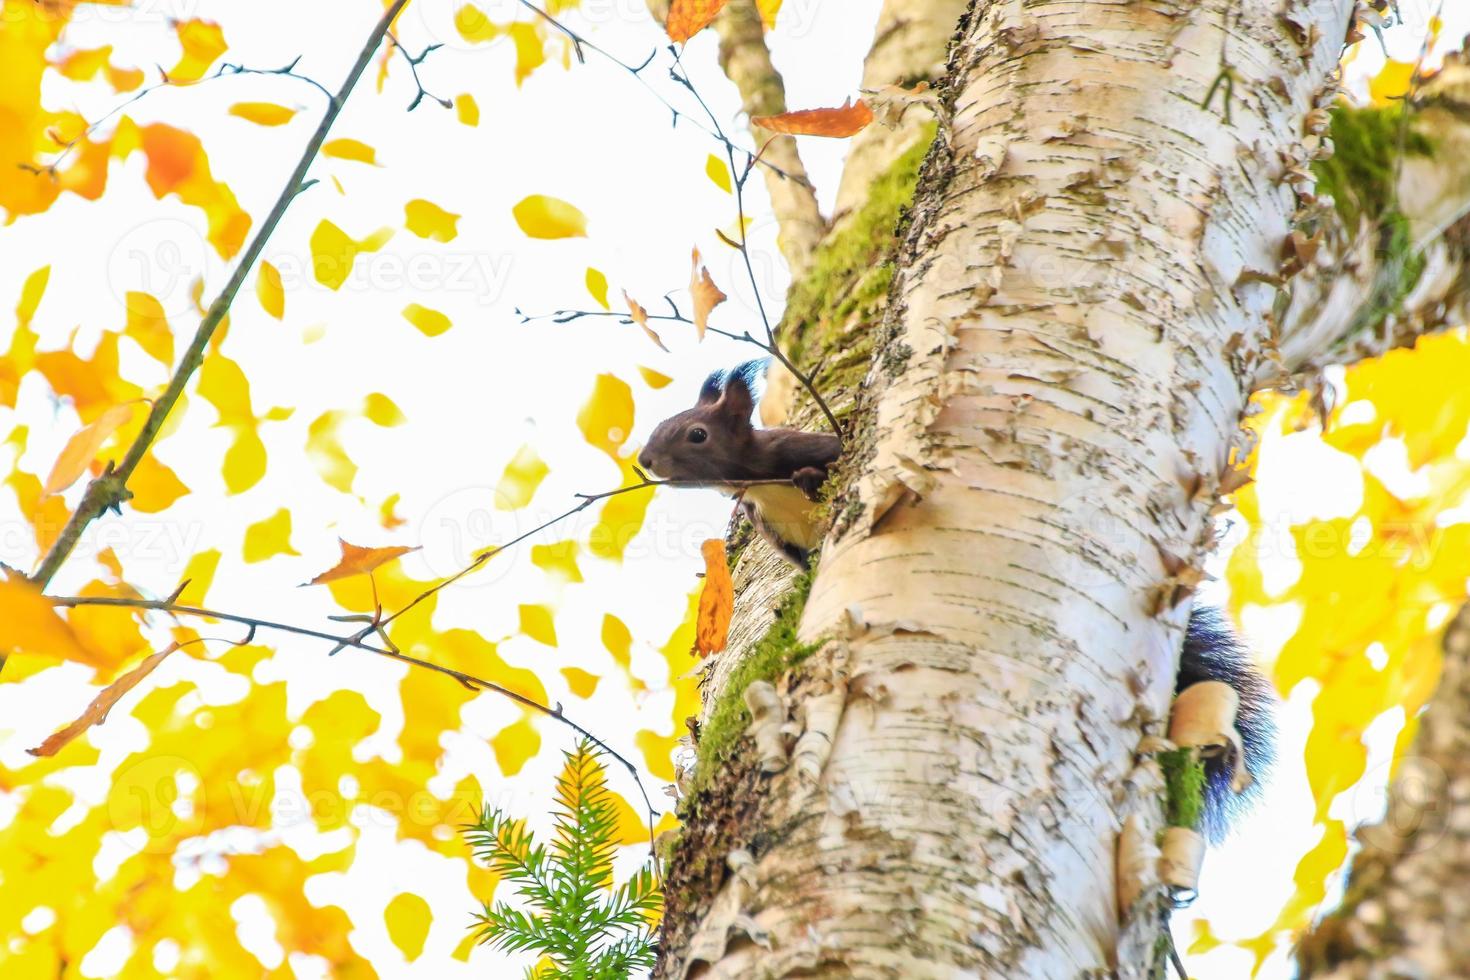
[{"x": 1084, "y": 290}]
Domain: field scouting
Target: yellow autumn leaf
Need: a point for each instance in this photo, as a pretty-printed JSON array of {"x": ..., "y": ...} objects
[
  {"x": 379, "y": 409},
  {"x": 263, "y": 113},
  {"x": 245, "y": 461},
  {"x": 199, "y": 576},
  {"x": 579, "y": 682},
  {"x": 718, "y": 171},
  {"x": 30, "y": 624},
  {"x": 408, "y": 919},
  {"x": 269, "y": 538},
  {"x": 269, "y": 291},
  {"x": 474, "y": 25},
  {"x": 357, "y": 560},
  {"x": 1392, "y": 82},
  {"x": 621, "y": 518},
  {"x": 768, "y": 9},
  {"x": 654, "y": 379},
  {"x": 350, "y": 149},
  {"x": 540, "y": 216},
  {"x": 530, "y": 48},
  {"x": 148, "y": 327},
  {"x": 618, "y": 640},
  {"x": 324, "y": 449},
  {"x": 523, "y": 474},
  {"x": 203, "y": 42},
  {"x": 431, "y": 323},
  {"x": 606, "y": 418},
  {"x": 154, "y": 486},
  {"x": 537, "y": 623},
  {"x": 515, "y": 745},
  {"x": 428, "y": 220},
  {"x": 558, "y": 561},
  {"x": 597, "y": 287},
  {"x": 333, "y": 252},
  {"x": 467, "y": 109},
  {"x": 83, "y": 447}
]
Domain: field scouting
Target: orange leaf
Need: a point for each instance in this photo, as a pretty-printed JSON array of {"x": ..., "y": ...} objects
[
  {"x": 358, "y": 561},
  {"x": 640, "y": 317},
  {"x": 96, "y": 712},
  {"x": 706, "y": 294},
  {"x": 716, "y": 601},
  {"x": 29, "y": 624},
  {"x": 688, "y": 17},
  {"x": 82, "y": 448},
  {"x": 846, "y": 120}
]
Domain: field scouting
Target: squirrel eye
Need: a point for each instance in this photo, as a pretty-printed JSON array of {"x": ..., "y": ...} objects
[{"x": 698, "y": 434}]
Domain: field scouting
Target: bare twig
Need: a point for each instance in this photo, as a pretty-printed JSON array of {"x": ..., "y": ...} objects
[
  {"x": 413, "y": 65},
  {"x": 109, "y": 490},
  {"x": 226, "y": 69},
  {"x": 470, "y": 681},
  {"x": 740, "y": 176}
]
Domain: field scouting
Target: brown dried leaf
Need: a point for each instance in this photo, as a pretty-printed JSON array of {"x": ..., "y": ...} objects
[
  {"x": 640, "y": 317},
  {"x": 96, "y": 712},
  {"x": 359, "y": 561},
  {"x": 716, "y": 601},
  {"x": 706, "y": 294},
  {"x": 846, "y": 120}
]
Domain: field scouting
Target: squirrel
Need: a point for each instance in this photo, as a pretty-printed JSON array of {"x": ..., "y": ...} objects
[{"x": 715, "y": 443}]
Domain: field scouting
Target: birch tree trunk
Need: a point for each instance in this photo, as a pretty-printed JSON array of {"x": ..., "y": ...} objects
[
  {"x": 1407, "y": 909},
  {"x": 1084, "y": 291}
]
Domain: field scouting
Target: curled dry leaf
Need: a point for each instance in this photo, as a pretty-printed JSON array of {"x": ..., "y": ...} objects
[
  {"x": 706, "y": 294},
  {"x": 96, "y": 712},
  {"x": 358, "y": 561},
  {"x": 716, "y": 600},
  {"x": 83, "y": 447},
  {"x": 640, "y": 317},
  {"x": 688, "y": 17},
  {"x": 846, "y": 120}
]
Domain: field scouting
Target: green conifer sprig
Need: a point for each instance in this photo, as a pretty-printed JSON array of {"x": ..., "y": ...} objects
[{"x": 584, "y": 926}]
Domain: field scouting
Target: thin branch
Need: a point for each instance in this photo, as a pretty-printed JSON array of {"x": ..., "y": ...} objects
[
  {"x": 585, "y": 500},
  {"x": 581, "y": 44},
  {"x": 109, "y": 490},
  {"x": 226, "y": 68},
  {"x": 470, "y": 681},
  {"x": 413, "y": 66},
  {"x": 740, "y": 177}
]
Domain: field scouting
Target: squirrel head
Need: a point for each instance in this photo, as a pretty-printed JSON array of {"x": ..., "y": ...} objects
[{"x": 714, "y": 440}]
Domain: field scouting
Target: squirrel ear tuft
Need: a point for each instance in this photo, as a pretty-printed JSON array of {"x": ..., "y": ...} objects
[
  {"x": 738, "y": 401},
  {"x": 714, "y": 386}
]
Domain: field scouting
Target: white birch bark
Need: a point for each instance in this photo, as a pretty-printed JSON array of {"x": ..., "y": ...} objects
[{"x": 1077, "y": 313}]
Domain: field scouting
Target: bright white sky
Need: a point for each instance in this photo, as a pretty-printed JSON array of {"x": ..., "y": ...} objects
[{"x": 473, "y": 396}]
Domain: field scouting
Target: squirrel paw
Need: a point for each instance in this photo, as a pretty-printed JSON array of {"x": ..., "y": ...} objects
[{"x": 809, "y": 480}]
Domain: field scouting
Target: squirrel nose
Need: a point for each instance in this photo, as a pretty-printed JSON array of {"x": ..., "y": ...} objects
[{"x": 645, "y": 460}]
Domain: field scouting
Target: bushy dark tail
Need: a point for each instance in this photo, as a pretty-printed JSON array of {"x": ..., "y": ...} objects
[{"x": 1212, "y": 653}]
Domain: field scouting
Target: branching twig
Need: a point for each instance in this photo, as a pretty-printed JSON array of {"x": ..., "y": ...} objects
[
  {"x": 110, "y": 489},
  {"x": 585, "y": 500},
  {"x": 226, "y": 68},
  {"x": 470, "y": 681},
  {"x": 413, "y": 66},
  {"x": 741, "y": 175}
]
